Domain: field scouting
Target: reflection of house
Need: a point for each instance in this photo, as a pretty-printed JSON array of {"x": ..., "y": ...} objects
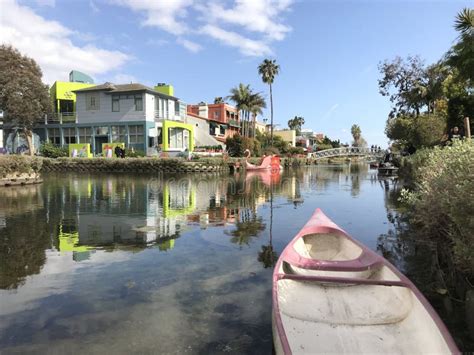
[
  {"x": 223, "y": 119},
  {"x": 143, "y": 118}
]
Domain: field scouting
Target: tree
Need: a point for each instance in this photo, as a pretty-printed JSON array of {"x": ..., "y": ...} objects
[
  {"x": 462, "y": 53},
  {"x": 357, "y": 135},
  {"x": 256, "y": 104},
  {"x": 296, "y": 123},
  {"x": 240, "y": 95},
  {"x": 23, "y": 96},
  {"x": 268, "y": 70},
  {"x": 219, "y": 100}
]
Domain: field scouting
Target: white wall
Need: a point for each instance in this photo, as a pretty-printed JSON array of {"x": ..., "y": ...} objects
[
  {"x": 201, "y": 132},
  {"x": 105, "y": 114}
]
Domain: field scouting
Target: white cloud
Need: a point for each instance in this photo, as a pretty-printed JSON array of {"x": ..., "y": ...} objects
[
  {"x": 189, "y": 45},
  {"x": 263, "y": 16},
  {"x": 165, "y": 14},
  {"x": 49, "y": 43},
  {"x": 94, "y": 8},
  {"x": 246, "y": 46},
  {"x": 329, "y": 112}
]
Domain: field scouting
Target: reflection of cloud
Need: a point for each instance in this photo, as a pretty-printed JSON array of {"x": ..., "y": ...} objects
[{"x": 56, "y": 277}]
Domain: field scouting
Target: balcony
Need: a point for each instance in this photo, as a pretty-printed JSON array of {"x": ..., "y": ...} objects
[
  {"x": 176, "y": 117},
  {"x": 59, "y": 118}
]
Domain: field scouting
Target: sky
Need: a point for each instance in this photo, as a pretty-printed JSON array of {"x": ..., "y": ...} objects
[{"x": 328, "y": 50}]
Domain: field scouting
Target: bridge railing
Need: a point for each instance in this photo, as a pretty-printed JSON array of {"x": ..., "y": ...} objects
[{"x": 347, "y": 151}]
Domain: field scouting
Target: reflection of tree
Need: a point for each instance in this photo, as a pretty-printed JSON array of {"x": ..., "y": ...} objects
[
  {"x": 247, "y": 229},
  {"x": 22, "y": 248},
  {"x": 267, "y": 256}
]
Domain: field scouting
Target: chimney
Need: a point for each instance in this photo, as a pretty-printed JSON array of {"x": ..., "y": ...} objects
[{"x": 203, "y": 110}]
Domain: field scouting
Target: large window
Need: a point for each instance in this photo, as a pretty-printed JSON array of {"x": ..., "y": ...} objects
[
  {"x": 139, "y": 102},
  {"x": 85, "y": 135},
  {"x": 119, "y": 134},
  {"x": 178, "y": 138},
  {"x": 54, "y": 136},
  {"x": 136, "y": 134},
  {"x": 92, "y": 101},
  {"x": 116, "y": 103},
  {"x": 69, "y": 135}
]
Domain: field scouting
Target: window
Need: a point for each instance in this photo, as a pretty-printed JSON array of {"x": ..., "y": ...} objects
[
  {"x": 216, "y": 114},
  {"x": 102, "y": 131},
  {"x": 138, "y": 102},
  {"x": 165, "y": 108},
  {"x": 54, "y": 136},
  {"x": 92, "y": 101},
  {"x": 119, "y": 134},
  {"x": 136, "y": 134},
  {"x": 115, "y": 103},
  {"x": 85, "y": 135},
  {"x": 222, "y": 130},
  {"x": 69, "y": 135}
]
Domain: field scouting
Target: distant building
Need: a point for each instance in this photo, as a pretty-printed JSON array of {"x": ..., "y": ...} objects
[
  {"x": 261, "y": 127},
  {"x": 223, "y": 119},
  {"x": 288, "y": 135}
]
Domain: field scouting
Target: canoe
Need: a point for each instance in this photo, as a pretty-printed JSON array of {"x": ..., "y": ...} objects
[{"x": 331, "y": 294}]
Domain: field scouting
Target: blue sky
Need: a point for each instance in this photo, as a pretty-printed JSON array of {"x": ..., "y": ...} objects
[{"x": 328, "y": 50}]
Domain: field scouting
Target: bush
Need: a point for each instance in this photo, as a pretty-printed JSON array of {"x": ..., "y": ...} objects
[
  {"x": 50, "y": 150},
  {"x": 237, "y": 145},
  {"x": 133, "y": 153},
  {"x": 443, "y": 202},
  {"x": 11, "y": 164},
  {"x": 296, "y": 150},
  {"x": 271, "y": 151}
]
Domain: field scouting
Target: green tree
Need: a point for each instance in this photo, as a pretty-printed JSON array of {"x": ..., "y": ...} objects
[
  {"x": 256, "y": 105},
  {"x": 23, "y": 96},
  {"x": 219, "y": 100},
  {"x": 240, "y": 95},
  {"x": 296, "y": 123},
  {"x": 357, "y": 135},
  {"x": 268, "y": 70},
  {"x": 462, "y": 53}
]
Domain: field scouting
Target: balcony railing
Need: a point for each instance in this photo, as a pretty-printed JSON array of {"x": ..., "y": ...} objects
[
  {"x": 59, "y": 118},
  {"x": 177, "y": 117}
]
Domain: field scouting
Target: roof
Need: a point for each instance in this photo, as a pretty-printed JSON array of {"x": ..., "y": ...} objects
[{"x": 118, "y": 88}]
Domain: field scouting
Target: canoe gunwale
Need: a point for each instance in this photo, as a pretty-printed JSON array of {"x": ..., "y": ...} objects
[{"x": 318, "y": 224}]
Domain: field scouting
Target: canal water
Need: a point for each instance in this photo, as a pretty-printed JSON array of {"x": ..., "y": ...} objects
[{"x": 166, "y": 264}]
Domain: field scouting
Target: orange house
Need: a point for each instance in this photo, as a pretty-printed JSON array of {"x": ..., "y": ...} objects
[{"x": 224, "y": 120}]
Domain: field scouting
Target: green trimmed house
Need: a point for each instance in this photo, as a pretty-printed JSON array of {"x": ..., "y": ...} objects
[{"x": 149, "y": 120}]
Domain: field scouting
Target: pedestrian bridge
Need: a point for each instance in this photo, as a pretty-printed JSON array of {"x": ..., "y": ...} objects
[{"x": 348, "y": 152}]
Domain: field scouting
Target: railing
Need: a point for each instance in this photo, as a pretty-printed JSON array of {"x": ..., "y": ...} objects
[
  {"x": 347, "y": 151},
  {"x": 62, "y": 117},
  {"x": 159, "y": 115}
]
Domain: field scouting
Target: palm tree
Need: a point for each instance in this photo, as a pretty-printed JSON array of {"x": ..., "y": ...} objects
[
  {"x": 219, "y": 100},
  {"x": 268, "y": 69},
  {"x": 296, "y": 123},
  {"x": 240, "y": 96},
  {"x": 256, "y": 104},
  {"x": 356, "y": 132},
  {"x": 464, "y": 22}
]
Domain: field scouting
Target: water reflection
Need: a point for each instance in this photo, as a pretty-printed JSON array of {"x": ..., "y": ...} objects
[{"x": 122, "y": 263}]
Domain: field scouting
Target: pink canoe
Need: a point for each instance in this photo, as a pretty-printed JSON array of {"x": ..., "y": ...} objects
[{"x": 331, "y": 294}]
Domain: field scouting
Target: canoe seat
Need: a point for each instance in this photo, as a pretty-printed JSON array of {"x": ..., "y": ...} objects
[{"x": 351, "y": 305}]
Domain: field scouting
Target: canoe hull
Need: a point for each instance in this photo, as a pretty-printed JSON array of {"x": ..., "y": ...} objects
[{"x": 348, "y": 300}]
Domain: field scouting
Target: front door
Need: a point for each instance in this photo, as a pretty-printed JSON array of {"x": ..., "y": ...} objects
[{"x": 98, "y": 143}]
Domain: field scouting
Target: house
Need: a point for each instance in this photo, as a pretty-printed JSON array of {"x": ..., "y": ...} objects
[
  {"x": 261, "y": 127},
  {"x": 143, "y": 118},
  {"x": 288, "y": 135},
  {"x": 223, "y": 119}
]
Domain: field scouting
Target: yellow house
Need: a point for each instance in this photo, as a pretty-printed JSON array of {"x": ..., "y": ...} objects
[{"x": 288, "y": 135}]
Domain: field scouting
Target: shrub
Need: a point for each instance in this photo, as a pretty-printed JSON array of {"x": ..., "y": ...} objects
[
  {"x": 50, "y": 150},
  {"x": 133, "y": 153},
  {"x": 296, "y": 150},
  {"x": 11, "y": 164},
  {"x": 443, "y": 201}
]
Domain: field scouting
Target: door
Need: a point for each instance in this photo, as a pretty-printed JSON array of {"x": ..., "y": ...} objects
[{"x": 98, "y": 143}]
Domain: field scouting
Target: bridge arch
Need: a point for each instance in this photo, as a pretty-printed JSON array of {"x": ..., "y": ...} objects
[{"x": 347, "y": 152}]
